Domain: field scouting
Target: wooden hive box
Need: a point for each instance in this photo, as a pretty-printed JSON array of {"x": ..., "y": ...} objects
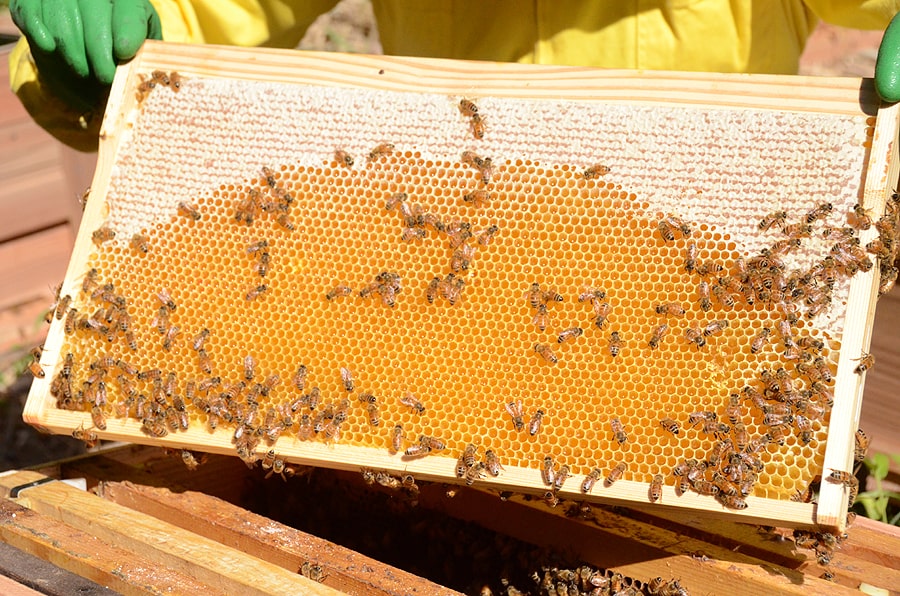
[{"x": 485, "y": 274}]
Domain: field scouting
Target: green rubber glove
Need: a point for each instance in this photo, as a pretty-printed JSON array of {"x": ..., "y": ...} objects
[
  {"x": 887, "y": 67},
  {"x": 76, "y": 44}
]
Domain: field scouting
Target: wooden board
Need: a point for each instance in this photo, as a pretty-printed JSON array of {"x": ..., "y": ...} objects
[
  {"x": 165, "y": 546},
  {"x": 833, "y": 96},
  {"x": 640, "y": 544}
]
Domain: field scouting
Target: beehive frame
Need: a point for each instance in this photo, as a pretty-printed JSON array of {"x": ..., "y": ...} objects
[{"x": 659, "y": 94}]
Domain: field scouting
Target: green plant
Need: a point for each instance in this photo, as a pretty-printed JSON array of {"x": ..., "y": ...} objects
[{"x": 876, "y": 504}]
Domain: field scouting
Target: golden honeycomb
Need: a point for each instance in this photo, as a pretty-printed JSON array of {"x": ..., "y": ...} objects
[{"x": 469, "y": 357}]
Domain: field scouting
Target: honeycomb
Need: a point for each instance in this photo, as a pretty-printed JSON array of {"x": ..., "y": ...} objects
[{"x": 229, "y": 200}]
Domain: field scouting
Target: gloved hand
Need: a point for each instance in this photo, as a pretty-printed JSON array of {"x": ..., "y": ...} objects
[
  {"x": 77, "y": 43},
  {"x": 887, "y": 67}
]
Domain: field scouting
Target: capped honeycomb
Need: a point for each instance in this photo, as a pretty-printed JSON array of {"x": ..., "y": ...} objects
[{"x": 594, "y": 283}]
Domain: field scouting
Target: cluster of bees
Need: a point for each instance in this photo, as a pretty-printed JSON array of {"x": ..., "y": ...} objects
[
  {"x": 158, "y": 78},
  {"x": 587, "y": 581},
  {"x": 790, "y": 399}
]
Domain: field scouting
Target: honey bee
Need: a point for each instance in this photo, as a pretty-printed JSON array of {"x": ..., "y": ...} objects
[
  {"x": 200, "y": 339},
  {"x": 776, "y": 218},
  {"x": 478, "y": 126},
  {"x": 615, "y": 343},
  {"x": 820, "y": 212},
  {"x": 562, "y": 474},
  {"x": 760, "y": 340},
  {"x": 679, "y": 224},
  {"x": 478, "y": 198},
  {"x": 88, "y": 284},
  {"x": 695, "y": 336},
  {"x": 433, "y": 288},
  {"x": 541, "y": 317},
  {"x": 474, "y": 473},
  {"x": 797, "y": 231},
  {"x": 601, "y": 311},
  {"x": 615, "y": 474},
  {"x": 665, "y": 231},
  {"x": 535, "y": 296},
  {"x": 372, "y": 411},
  {"x": 343, "y": 158},
  {"x": 382, "y": 150},
  {"x": 704, "y": 487},
  {"x": 841, "y": 477},
  {"x": 546, "y": 353},
  {"x": 487, "y": 235},
  {"x": 595, "y": 171},
  {"x": 34, "y": 367},
  {"x": 591, "y": 479},
  {"x": 314, "y": 397},
  {"x": 866, "y": 361},
  {"x": 462, "y": 258},
  {"x": 409, "y": 400},
  {"x": 670, "y": 425},
  {"x": 103, "y": 234},
  {"x": 89, "y": 437},
  {"x": 166, "y": 299},
  {"x": 467, "y": 108},
  {"x": 256, "y": 292},
  {"x": 451, "y": 288},
  {"x": 703, "y": 292},
  {"x": 715, "y": 328},
  {"x": 618, "y": 430},
  {"x": 515, "y": 411},
  {"x": 670, "y": 308},
  {"x": 862, "y": 217},
  {"x": 188, "y": 210},
  {"x": 723, "y": 296},
  {"x": 550, "y": 499},
  {"x": 658, "y": 333},
  {"x": 285, "y": 222},
  {"x": 98, "y": 418},
  {"x": 396, "y": 438},
  {"x": 434, "y": 444},
  {"x": 395, "y": 199},
  {"x": 347, "y": 379},
  {"x": 66, "y": 370},
  {"x": 591, "y": 295},
  {"x": 570, "y": 333},
  {"x": 655, "y": 491},
  {"x": 140, "y": 243},
  {"x": 299, "y": 378},
  {"x": 733, "y": 501},
  {"x": 690, "y": 257},
  {"x": 207, "y": 384},
  {"x": 534, "y": 425},
  {"x": 492, "y": 463},
  {"x": 417, "y": 450},
  {"x": 861, "y": 445},
  {"x": 548, "y": 475},
  {"x": 171, "y": 333}
]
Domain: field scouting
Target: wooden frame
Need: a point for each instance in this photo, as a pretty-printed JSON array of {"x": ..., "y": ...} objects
[{"x": 835, "y": 96}]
